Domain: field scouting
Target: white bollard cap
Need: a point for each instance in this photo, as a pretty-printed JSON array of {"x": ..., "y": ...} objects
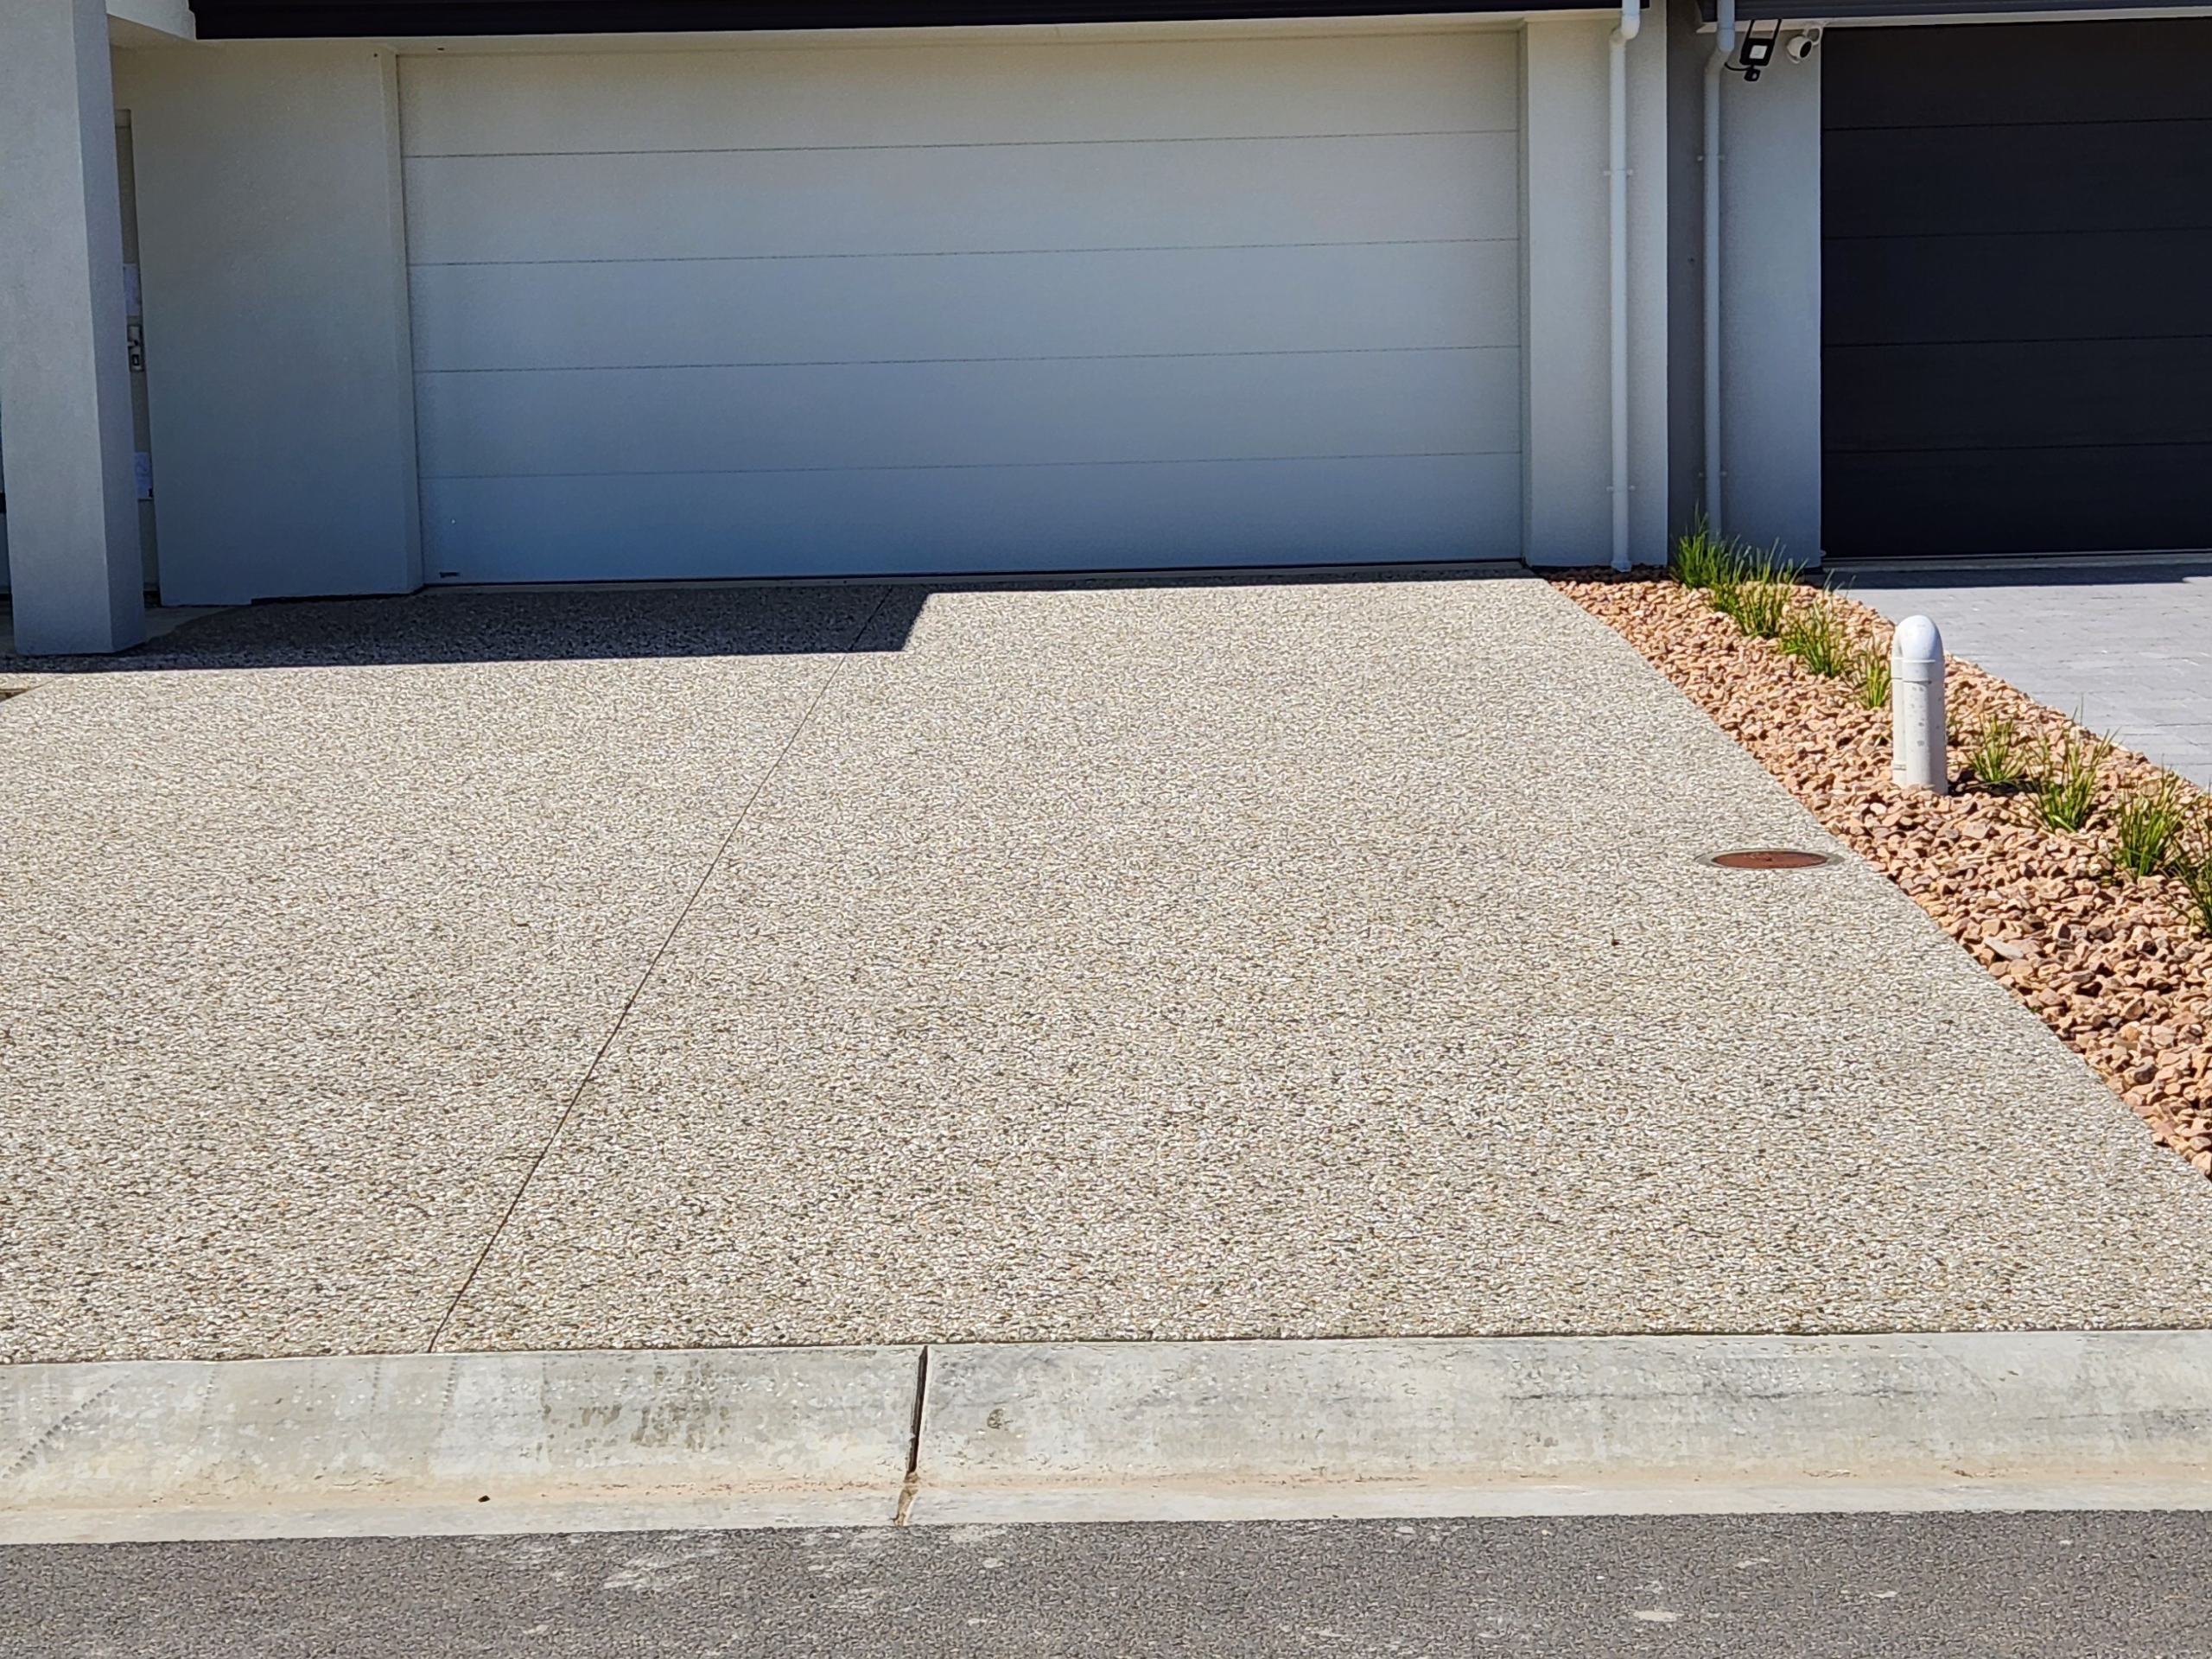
[{"x": 1917, "y": 652}]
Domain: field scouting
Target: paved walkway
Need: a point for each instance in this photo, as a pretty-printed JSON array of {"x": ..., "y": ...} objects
[
  {"x": 823, "y": 965},
  {"x": 2128, "y": 646}
]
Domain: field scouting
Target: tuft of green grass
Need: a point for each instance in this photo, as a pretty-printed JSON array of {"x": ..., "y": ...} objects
[
  {"x": 1999, "y": 759},
  {"x": 2148, "y": 828},
  {"x": 1759, "y": 600},
  {"x": 1815, "y": 634},
  {"x": 2190, "y": 866},
  {"x": 1871, "y": 669},
  {"x": 2063, "y": 779},
  {"x": 1727, "y": 586},
  {"x": 1754, "y": 588},
  {"x": 1700, "y": 558}
]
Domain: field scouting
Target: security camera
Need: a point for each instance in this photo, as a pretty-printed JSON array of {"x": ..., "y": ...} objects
[{"x": 1801, "y": 46}]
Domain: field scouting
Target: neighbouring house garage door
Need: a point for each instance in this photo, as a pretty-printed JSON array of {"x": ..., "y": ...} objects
[
  {"x": 2018, "y": 292},
  {"x": 855, "y": 308}
]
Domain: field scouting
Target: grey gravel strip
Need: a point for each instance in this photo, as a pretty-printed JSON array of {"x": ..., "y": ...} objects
[{"x": 1107, "y": 1431}]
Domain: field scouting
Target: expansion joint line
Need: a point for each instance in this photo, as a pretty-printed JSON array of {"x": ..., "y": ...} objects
[
  {"x": 913, "y": 1484},
  {"x": 652, "y": 966}
]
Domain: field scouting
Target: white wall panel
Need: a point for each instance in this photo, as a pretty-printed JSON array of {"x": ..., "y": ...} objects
[
  {"x": 1569, "y": 492},
  {"x": 1770, "y": 308},
  {"x": 751, "y": 312},
  {"x": 276, "y": 342}
]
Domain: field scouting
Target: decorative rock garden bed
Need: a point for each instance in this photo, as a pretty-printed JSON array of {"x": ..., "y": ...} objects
[{"x": 2118, "y": 964}]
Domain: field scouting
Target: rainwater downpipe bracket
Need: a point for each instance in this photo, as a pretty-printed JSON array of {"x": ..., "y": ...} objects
[{"x": 1617, "y": 203}]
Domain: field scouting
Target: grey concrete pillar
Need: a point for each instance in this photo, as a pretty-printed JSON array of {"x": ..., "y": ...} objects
[{"x": 65, "y": 378}]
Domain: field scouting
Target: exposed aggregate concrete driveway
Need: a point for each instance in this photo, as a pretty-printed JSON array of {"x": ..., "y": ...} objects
[{"x": 823, "y": 965}]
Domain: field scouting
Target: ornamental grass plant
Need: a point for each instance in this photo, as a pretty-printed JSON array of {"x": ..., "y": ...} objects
[
  {"x": 1754, "y": 588},
  {"x": 1702, "y": 560},
  {"x": 1998, "y": 759},
  {"x": 2063, "y": 777},
  {"x": 1870, "y": 669},
  {"x": 1760, "y": 599},
  {"x": 2150, "y": 827},
  {"x": 1816, "y": 635},
  {"x": 2190, "y": 864}
]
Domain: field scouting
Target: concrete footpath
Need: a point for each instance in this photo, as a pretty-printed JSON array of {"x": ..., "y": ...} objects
[{"x": 994, "y": 1435}]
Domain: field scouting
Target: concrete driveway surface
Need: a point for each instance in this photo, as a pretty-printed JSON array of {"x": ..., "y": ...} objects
[
  {"x": 2128, "y": 646},
  {"x": 862, "y": 965}
]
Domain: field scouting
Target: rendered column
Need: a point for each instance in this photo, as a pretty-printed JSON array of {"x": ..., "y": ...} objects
[{"x": 65, "y": 386}]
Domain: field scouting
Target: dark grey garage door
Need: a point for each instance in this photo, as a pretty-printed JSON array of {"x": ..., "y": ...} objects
[{"x": 2017, "y": 311}]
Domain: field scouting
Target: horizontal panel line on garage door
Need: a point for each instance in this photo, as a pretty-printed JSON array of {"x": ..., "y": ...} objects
[
  {"x": 972, "y": 253},
  {"x": 918, "y": 362},
  {"x": 2013, "y": 233},
  {"x": 990, "y": 466},
  {"x": 1834, "y": 344},
  {"x": 993, "y": 143},
  {"x": 2002, "y": 126},
  {"x": 2055, "y": 447}
]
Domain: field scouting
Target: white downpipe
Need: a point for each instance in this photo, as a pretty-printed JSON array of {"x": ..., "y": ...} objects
[
  {"x": 1616, "y": 179},
  {"x": 1724, "y": 44}
]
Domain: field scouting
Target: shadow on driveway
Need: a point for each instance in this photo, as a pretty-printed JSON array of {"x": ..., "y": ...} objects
[{"x": 610, "y": 621}]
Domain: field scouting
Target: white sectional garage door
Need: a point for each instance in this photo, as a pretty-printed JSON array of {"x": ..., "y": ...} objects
[{"x": 1095, "y": 305}]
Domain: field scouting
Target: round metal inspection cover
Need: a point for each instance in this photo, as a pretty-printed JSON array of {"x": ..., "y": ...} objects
[{"x": 1769, "y": 858}]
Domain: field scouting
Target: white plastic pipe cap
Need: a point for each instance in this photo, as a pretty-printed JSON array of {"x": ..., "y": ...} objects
[
  {"x": 1919, "y": 757},
  {"x": 1917, "y": 652}
]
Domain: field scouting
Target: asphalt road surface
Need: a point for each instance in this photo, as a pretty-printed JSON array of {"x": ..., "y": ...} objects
[{"x": 1863, "y": 1585}]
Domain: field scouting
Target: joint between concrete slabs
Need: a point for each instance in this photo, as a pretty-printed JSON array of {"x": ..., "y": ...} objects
[{"x": 493, "y": 1443}]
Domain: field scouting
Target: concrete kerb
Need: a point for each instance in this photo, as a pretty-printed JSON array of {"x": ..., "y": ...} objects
[
  {"x": 491, "y": 1443},
  {"x": 1567, "y": 1425},
  {"x": 454, "y": 1443}
]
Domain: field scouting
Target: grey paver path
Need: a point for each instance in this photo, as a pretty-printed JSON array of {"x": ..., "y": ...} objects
[
  {"x": 1186, "y": 961},
  {"x": 2129, "y": 646}
]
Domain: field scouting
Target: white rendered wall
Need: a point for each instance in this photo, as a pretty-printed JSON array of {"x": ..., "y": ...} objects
[
  {"x": 273, "y": 248},
  {"x": 1568, "y": 504},
  {"x": 1649, "y": 323},
  {"x": 65, "y": 384},
  {"x": 278, "y": 367},
  {"x": 1687, "y": 50},
  {"x": 1770, "y": 308}
]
